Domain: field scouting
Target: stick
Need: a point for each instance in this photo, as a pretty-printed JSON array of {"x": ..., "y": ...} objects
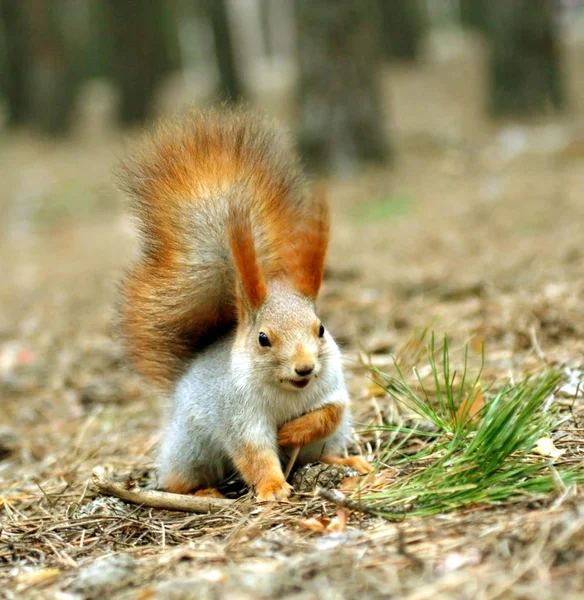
[
  {"x": 339, "y": 499},
  {"x": 155, "y": 499},
  {"x": 536, "y": 346},
  {"x": 291, "y": 461}
]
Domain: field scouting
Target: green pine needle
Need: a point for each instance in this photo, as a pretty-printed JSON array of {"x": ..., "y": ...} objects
[{"x": 469, "y": 460}]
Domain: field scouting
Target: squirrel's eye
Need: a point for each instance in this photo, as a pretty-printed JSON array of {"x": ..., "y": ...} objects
[
  {"x": 264, "y": 340},
  {"x": 321, "y": 331}
]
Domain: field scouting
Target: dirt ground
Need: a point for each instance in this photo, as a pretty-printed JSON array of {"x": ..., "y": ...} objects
[{"x": 476, "y": 231}]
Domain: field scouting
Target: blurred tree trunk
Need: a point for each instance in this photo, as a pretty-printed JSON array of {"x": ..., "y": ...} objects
[
  {"x": 40, "y": 84},
  {"x": 142, "y": 53},
  {"x": 474, "y": 14},
  {"x": 16, "y": 61},
  {"x": 525, "y": 61},
  {"x": 403, "y": 25},
  {"x": 277, "y": 21},
  {"x": 341, "y": 116},
  {"x": 231, "y": 88},
  {"x": 89, "y": 39}
]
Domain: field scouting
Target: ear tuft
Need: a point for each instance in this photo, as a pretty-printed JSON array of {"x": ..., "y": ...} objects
[
  {"x": 251, "y": 285},
  {"x": 310, "y": 246}
]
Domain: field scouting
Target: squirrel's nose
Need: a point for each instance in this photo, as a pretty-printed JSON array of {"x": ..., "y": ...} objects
[{"x": 304, "y": 370}]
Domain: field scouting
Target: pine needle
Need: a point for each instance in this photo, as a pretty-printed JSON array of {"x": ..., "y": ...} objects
[{"x": 480, "y": 451}]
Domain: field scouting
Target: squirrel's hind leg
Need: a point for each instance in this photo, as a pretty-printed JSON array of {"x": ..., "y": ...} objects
[
  {"x": 178, "y": 485},
  {"x": 209, "y": 493},
  {"x": 189, "y": 462}
]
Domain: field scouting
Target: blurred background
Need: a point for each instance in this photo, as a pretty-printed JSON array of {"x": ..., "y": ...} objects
[{"x": 71, "y": 66}]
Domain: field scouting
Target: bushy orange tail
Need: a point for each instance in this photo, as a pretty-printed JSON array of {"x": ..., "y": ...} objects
[{"x": 217, "y": 194}]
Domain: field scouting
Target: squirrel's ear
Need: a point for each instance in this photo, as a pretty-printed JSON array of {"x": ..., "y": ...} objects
[
  {"x": 251, "y": 285},
  {"x": 311, "y": 245}
]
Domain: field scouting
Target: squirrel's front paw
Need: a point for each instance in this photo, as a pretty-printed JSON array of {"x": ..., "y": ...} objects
[
  {"x": 310, "y": 427},
  {"x": 356, "y": 462},
  {"x": 273, "y": 491}
]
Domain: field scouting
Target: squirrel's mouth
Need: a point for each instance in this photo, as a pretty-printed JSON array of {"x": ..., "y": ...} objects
[{"x": 300, "y": 383}]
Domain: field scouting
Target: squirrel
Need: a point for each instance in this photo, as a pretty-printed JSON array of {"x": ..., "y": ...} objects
[{"x": 218, "y": 310}]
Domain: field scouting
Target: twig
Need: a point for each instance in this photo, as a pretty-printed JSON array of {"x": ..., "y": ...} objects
[
  {"x": 339, "y": 499},
  {"x": 535, "y": 344},
  {"x": 291, "y": 461},
  {"x": 402, "y": 549},
  {"x": 49, "y": 500},
  {"x": 155, "y": 499}
]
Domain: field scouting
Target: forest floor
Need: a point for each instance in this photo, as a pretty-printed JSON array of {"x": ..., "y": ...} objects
[{"x": 475, "y": 232}]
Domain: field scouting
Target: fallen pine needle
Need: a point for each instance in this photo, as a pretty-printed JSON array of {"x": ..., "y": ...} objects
[
  {"x": 291, "y": 461},
  {"x": 156, "y": 499}
]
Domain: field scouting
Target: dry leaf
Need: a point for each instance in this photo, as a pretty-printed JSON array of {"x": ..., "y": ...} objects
[
  {"x": 469, "y": 410},
  {"x": 454, "y": 561},
  {"x": 339, "y": 523},
  {"x": 146, "y": 593},
  {"x": 374, "y": 390},
  {"x": 14, "y": 498},
  {"x": 375, "y": 386},
  {"x": 25, "y": 357},
  {"x": 545, "y": 447},
  {"x": 318, "y": 524},
  {"x": 477, "y": 343},
  {"x": 324, "y": 525},
  {"x": 27, "y": 580},
  {"x": 350, "y": 484}
]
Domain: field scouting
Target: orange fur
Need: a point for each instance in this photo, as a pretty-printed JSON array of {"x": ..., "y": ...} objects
[
  {"x": 240, "y": 236},
  {"x": 261, "y": 469},
  {"x": 160, "y": 327},
  {"x": 177, "y": 485},
  {"x": 308, "y": 250},
  {"x": 209, "y": 493},
  {"x": 311, "y": 427}
]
